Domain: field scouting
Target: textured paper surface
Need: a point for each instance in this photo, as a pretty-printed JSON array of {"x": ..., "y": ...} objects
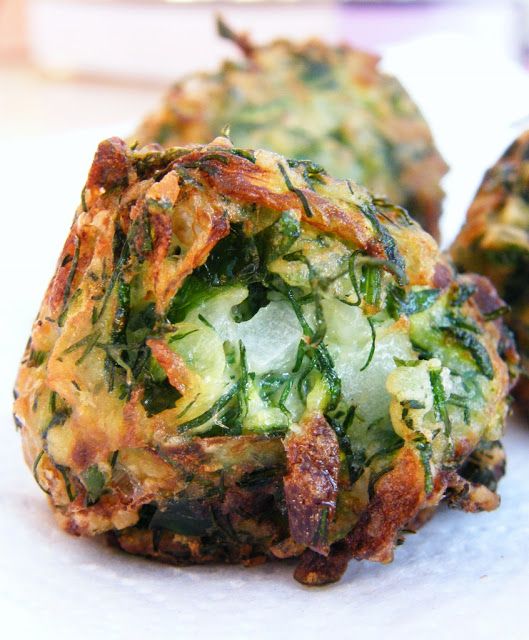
[{"x": 461, "y": 575}]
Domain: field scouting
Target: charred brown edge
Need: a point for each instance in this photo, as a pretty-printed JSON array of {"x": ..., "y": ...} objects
[{"x": 311, "y": 482}]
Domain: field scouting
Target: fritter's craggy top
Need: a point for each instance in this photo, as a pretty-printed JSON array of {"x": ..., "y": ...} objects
[
  {"x": 495, "y": 242},
  {"x": 311, "y": 100},
  {"x": 240, "y": 357}
]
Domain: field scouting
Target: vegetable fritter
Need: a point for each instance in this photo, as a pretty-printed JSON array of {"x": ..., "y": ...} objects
[
  {"x": 495, "y": 242},
  {"x": 311, "y": 100},
  {"x": 240, "y": 358}
]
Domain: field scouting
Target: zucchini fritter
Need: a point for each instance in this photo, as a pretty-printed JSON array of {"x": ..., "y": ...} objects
[
  {"x": 311, "y": 100},
  {"x": 240, "y": 357},
  {"x": 495, "y": 242}
]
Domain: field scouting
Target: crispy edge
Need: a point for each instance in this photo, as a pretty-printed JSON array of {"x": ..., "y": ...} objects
[
  {"x": 311, "y": 481},
  {"x": 398, "y": 497}
]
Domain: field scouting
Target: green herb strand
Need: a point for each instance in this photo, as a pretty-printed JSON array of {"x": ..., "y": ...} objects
[
  {"x": 373, "y": 342},
  {"x": 497, "y": 313},
  {"x": 298, "y": 192},
  {"x": 211, "y": 412},
  {"x": 424, "y": 449},
  {"x": 468, "y": 341},
  {"x": 35, "y": 472},
  {"x": 387, "y": 240},
  {"x": 371, "y": 282},
  {"x": 243, "y": 381},
  {"x": 354, "y": 280},
  {"x": 71, "y": 273},
  {"x": 439, "y": 400},
  {"x": 94, "y": 482},
  {"x": 68, "y": 485}
]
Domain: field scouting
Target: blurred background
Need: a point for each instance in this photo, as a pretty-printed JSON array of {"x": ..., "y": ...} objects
[{"x": 71, "y": 63}]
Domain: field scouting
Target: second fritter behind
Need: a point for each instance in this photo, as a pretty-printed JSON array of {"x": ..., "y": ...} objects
[{"x": 329, "y": 104}]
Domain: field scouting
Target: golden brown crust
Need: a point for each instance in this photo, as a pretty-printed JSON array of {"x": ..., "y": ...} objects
[
  {"x": 397, "y": 497},
  {"x": 171, "y": 363},
  {"x": 111, "y": 165},
  {"x": 469, "y": 496},
  {"x": 314, "y": 569},
  {"x": 250, "y": 183},
  {"x": 311, "y": 482},
  {"x": 264, "y": 184}
]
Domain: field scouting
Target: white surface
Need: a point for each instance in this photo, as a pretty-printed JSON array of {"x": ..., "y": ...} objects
[
  {"x": 464, "y": 575},
  {"x": 185, "y": 35}
]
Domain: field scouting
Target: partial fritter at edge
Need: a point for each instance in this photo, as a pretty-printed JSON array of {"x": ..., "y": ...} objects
[{"x": 494, "y": 241}]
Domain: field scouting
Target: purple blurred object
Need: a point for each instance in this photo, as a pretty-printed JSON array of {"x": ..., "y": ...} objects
[{"x": 375, "y": 25}]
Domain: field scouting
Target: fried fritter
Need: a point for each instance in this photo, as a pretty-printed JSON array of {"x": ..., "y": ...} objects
[
  {"x": 240, "y": 357},
  {"x": 311, "y": 100},
  {"x": 494, "y": 241}
]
